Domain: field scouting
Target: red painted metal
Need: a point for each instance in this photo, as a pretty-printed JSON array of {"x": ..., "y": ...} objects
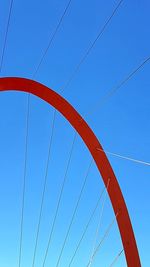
[{"x": 105, "y": 169}]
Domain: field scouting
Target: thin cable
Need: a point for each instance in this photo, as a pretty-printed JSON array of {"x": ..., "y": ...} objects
[
  {"x": 44, "y": 187},
  {"x": 98, "y": 226},
  {"x": 124, "y": 157},
  {"x": 111, "y": 92},
  {"x": 86, "y": 228},
  {"x": 53, "y": 124},
  {"x": 74, "y": 213},
  {"x": 34, "y": 74},
  {"x": 59, "y": 199},
  {"x": 91, "y": 46},
  {"x": 116, "y": 258},
  {"x": 6, "y": 35},
  {"x": 103, "y": 238},
  {"x": 24, "y": 180},
  {"x": 53, "y": 36}
]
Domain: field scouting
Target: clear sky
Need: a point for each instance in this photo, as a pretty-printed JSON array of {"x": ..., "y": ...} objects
[{"x": 121, "y": 124}]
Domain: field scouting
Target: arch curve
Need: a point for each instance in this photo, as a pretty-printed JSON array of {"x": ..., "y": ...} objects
[{"x": 91, "y": 141}]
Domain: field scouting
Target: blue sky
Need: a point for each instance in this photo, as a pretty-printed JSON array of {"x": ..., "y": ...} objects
[{"x": 121, "y": 124}]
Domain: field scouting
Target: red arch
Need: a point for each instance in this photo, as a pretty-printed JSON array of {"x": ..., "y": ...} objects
[{"x": 115, "y": 194}]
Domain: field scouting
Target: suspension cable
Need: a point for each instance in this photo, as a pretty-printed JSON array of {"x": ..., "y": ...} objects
[
  {"x": 103, "y": 238},
  {"x": 24, "y": 181},
  {"x": 111, "y": 92},
  {"x": 117, "y": 258},
  {"x": 86, "y": 227},
  {"x": 74, "y": 213},
  {"x": 53, "y": 124},
  {"x": 98, "y": 226},
  {"x": 53, "y": 36},
  {"x": 6, "y": 35},
  {"x": 44, "y": 187},
  {"x": 124, "y": 157},
  {"x": 59, "y": 199},
  {"x": 90, "y": 48}
]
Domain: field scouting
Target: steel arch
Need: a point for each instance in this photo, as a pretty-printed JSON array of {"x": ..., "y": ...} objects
[{"x": 105, "y": 169}]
